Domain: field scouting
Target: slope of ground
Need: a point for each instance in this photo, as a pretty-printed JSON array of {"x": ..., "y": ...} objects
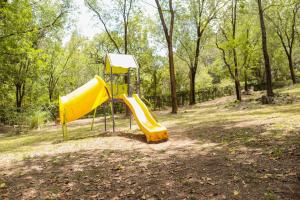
[{"x": 217, "y": 150}]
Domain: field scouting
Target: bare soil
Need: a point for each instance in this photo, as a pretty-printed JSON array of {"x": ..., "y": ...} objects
[{"x": 216, "y": 150}]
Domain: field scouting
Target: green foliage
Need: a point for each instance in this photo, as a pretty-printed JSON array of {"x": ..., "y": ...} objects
[
  {"x": 204, "y": 79},
  {"x": 27, "y": 119},
  {"x": 36, "y": 67},
  {"x": 37, "y": 119}
]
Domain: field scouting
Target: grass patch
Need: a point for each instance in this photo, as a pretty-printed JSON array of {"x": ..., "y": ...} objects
[
  {"x": 270, "y": 196},
  {"x": 216, "y": 121}
]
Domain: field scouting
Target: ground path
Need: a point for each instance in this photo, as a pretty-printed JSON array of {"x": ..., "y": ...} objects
[{"x": 217, "y": 150}]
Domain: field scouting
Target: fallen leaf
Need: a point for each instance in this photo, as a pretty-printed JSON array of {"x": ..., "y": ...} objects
[
  {"x": 292, "y": 174},
  {"x": 266, "y": 176},
  {"x": 2, "y": 185},
  {"x": 235, "y": 192}
]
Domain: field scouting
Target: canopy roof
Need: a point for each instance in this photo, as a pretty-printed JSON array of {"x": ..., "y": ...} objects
[{"x": 120, "y": 63}]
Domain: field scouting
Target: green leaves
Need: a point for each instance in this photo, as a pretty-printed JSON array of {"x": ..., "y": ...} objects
[{"x": 24, "y": 26}]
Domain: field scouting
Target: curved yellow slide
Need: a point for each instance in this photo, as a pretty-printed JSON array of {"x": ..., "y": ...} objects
[
  {"x": 83, "y": 100},
  {"x": 153, "y": 130}
]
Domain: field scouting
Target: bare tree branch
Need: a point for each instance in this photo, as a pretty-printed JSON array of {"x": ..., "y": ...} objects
[{"x": 104, "y": 24}]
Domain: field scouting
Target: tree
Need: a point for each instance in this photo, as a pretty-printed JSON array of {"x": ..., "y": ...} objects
[
  {"x": 125, "y": 8},
  {"x": 248, "y": 48},
  {"x": 58, "y": 64},
  {"x": 200, "y": 14},
  {"x": 248, "y": 37},
  {"x": 18, "y": 54},
  {"x": 230, "y": 39},
  {"x": 168, "y": 31},
  {"x": 265, "y": 49},
  {"x": 126, "y": 13},
  {"x": 23, "y": 27},
  {"x": 285, "y": 24}
]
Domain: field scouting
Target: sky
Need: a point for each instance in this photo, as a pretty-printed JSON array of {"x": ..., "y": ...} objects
[
  {"x": 88, "y": 25},
  {"x": 84, "y": 22}
]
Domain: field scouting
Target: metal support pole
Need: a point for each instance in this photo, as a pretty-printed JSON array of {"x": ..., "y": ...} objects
[
  {"x": 129, "y": 120},
  {"x": 112, "y": 99},
  {"x": 129, "y": 94},
  {"x": 128, "y": 83},
  {"x": 138, "y": 80},
  {"x": 95, "y": 111},
  {"x": 104, "y": 78},
  {"x": 64, "y": 128},
  {"x": 104, "y": 107}
]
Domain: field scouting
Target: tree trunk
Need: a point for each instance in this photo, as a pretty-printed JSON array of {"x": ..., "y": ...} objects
[
  {"x": 18, "y": 100},
  {"x": 172, "y": 77},
  {"x": 237, "y": 84},
  {"x": 246, "y": 81},
  {"x": 125, "y": 52},
  {"x": 50, "y": 96},
  {"x": 265, "y": 50},
  {"x": 155, "y": 89},
  {"x": 192, "y": 86},
  {"x": 125, "y": 47},
  {"x": 238, "y": 90},
  {"x": 169, "y": 38},
  {"x": 125, "y": 37},
  {"x": 292, "y": 69},
  {"x": 20, "y": 92},
  {"x": 193, "y": 69}
]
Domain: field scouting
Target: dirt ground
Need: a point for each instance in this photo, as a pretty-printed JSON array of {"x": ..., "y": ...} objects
[{"x": 217, "y": 150}]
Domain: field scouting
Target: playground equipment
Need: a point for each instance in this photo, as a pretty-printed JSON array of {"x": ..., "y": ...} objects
[{"x": 106, "y": 92}]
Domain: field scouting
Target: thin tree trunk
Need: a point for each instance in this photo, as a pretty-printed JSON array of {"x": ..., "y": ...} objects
[
  {"x": 125, "y": 29},
  {"x": 288, "y": 49},
  {"x": 238, "y": 90},
  {"x": 194, "y": 68},
  {"x": 246, "y": 81},
  {"x": 265, "y": 50},
  {"x": 169, "y": 38},
  {"x": 192, "y": 86},
  {"x": 50, "y": 96},
  {"x": 20, "y": 92},
  {"x": 237, "y": 86},
  {"x": 172, "y": 77},
  {"x": 236, "y": 70},
  {"x": 18, "y": 101},
  {"x": 291, "y": 66}
]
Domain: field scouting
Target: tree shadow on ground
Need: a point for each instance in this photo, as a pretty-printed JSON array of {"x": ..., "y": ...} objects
[
  {"x": 135, "y": 175},
  {"x": 237, "y": 133},
  {"x": 134, "y": 136}
]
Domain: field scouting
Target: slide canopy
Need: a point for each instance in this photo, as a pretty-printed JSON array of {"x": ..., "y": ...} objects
[{"x": 120, "y": 63}]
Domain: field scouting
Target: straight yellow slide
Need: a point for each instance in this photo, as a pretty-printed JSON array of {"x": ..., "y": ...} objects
[{"x": 153, "y": 130}]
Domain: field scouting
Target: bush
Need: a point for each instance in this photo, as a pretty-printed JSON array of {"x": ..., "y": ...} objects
[
  {"x": 52, "y": 109},
  {"x": 280, "y": 84},
  {"x": 37, "y": 118},
  {"x": 25, "y": 118}
]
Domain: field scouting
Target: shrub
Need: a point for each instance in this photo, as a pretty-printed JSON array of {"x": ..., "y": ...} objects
[
  {"x": 25, "y": 118},
  {"x": 37, "y": 118},
  {"x": 52, "y": 109}
]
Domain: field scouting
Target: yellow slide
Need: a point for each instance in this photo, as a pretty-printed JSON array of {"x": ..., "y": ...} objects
[
  {"x": 153, "y": 130},
  {"x": 83, "y": 100}
]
